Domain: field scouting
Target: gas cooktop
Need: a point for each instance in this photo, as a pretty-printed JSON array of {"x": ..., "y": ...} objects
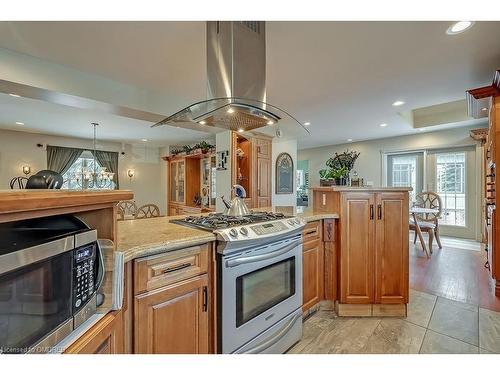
[{"x": 216, "y": 221}]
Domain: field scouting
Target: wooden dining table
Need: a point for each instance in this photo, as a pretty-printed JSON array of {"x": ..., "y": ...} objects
[{"x": 414, "y": 211}]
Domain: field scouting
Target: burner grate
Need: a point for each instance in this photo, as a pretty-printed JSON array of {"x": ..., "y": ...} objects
[{"x": 219, "y": 221}]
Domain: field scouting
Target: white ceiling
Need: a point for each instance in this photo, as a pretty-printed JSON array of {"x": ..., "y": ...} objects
[
  {"x": 54, "y": 119},
  {"x": 340, "y": 76}
]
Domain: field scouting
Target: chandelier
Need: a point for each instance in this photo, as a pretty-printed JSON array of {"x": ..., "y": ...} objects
[{"x": 91, "y": 176}]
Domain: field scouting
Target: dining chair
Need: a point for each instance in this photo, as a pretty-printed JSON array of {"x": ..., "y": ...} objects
[
  {"x": 428, "y": 222},
  {"x": 18, "y": 182},
  {"x": 126, "y": 208},
  {"x": 147, "y": 211}
]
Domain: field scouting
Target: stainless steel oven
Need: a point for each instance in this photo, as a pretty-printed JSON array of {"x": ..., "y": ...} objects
[
  {"x": 261, "y": 297},
  {"x": 50, "y": 272}
]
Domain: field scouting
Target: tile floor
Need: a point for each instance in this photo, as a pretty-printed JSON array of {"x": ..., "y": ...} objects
[{"x": 433, "y": 325}]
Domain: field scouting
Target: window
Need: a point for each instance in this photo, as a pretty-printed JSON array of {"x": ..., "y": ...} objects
[
  {"x": 84, "y": 164},
  {"x": 405, "y": 170},
  {"x": 450, "y": 177}
]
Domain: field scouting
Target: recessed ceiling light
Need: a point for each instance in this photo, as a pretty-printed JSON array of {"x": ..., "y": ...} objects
[
  {"x": 484, "y": 109},
  {"x": 270, "y": 122},
  {"x": 203, "y": 122},
  {"x": 307, "y": 123},
  {"x": 15, "y": 95},
  {"x": 144, "y": 140},
  {"x": 421, "y": 129},
  {"x": 230, "y": 110},
  {"x": 349, "y": 139},
  {"x": 19, "y": 123},
  {"x": 240, "y": 130},
  {"x": 383, "y": 125},
  {"x": 459, "y": 27},
  {"x": 397, "y": 103}
]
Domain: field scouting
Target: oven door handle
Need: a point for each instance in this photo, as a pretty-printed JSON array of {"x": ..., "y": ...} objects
[
  {"x": 273, "y": 339},
  {"x": 257, "y": 258}
]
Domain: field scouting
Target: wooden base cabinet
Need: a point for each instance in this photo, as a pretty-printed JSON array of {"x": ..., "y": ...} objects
[
  {"x": 312, "y": 270},
  {"x": 391, "y": 249},
  {"x": 374, "y": 247},
  {"x": 105, "y": 337},
  {"x": 312, "y": 266},
  {"x": 173, "y": 319}
]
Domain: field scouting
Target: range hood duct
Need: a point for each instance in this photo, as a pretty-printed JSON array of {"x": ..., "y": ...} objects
[{"x": 236, "y": 81}]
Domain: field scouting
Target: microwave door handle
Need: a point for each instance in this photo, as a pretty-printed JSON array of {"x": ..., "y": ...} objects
[
  {"x": 273, "y": 339},
  {"x": 256, "y": 258},
  {"x": 100, "y": 273}
]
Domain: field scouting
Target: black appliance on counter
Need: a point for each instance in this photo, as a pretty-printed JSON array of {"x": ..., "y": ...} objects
[{"x": 50, "y": 271}]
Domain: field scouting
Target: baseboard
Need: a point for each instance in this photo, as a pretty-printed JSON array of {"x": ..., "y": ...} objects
[{"x": 365, "y": 310}]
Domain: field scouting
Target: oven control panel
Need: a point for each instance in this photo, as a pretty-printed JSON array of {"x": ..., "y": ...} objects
[
  {"x": 268, "y": 228},
  {"x": 84, "y": 259}
]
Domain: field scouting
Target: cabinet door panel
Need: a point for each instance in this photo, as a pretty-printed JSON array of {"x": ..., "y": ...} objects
[
  {"x": 312, "y": 278},
  {"x": 263, "y": 148},
  {"x": 173, "y": 319},
  {"x": 357, "y": 247},
  {"x": 391, "y": 251},
  {"x": 263, "y": 180},
  {"x": 105, "y": 337}
]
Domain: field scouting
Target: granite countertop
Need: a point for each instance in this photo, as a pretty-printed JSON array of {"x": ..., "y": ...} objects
[{"x": 143, "y": 237}]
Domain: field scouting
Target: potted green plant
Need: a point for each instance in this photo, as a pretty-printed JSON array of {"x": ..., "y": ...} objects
[
  {"x": 338, "y": 168},
  {"x": 340, "y": 175},
  {"x": 204, "y": 146}
]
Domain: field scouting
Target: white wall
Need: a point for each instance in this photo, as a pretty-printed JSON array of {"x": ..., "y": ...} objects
[
  {"x": 20, "y": 148},
  {"x": 279, "y": 146},
  {"x": 369, "y": 163}
]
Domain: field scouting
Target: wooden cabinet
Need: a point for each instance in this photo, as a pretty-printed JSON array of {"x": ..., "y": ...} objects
[
  {"x": 173, "y": 319},
  {"x": 357, "y": 247},
  {"x": 312, "y": 265},
  {"x": 177, "y": 181},
  {"x": 312, "y": 273},
  {"x": 105, "y": 337},
  {"x": 251, "y": 167},
  {"x": 325, "y": 200},
  {"x": 374, "y": 248},
  {"x": 263, "y": 182},
  {"x": 391, "y": 248},
  {"x": 330, "y": 255}
]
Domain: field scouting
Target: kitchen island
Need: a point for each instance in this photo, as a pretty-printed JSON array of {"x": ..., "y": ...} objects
[{"x": 372, "y": 247}]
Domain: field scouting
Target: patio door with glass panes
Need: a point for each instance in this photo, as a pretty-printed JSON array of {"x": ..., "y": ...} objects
[{"x": 451, "y": 174}]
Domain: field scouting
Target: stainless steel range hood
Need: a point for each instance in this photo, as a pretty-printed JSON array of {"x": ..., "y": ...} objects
[{"x": 236, "y": 87}]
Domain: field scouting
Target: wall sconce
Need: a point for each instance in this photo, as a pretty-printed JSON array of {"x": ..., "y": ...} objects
[
  {"x": 26, "y": 169},
  {"x": 130, "y": 173}
]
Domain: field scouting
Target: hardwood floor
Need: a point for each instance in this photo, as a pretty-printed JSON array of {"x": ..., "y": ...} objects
[{"x": 454, "y": 272}]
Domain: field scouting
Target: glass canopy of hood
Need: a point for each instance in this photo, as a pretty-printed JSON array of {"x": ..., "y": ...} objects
[{"x": 237, "y": 114}]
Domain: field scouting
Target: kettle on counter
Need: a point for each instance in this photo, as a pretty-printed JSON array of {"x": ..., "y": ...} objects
[{"x": 237, "y": 207}]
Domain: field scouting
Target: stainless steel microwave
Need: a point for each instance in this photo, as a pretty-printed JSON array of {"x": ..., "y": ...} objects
[{"x": 51, "y": 270}]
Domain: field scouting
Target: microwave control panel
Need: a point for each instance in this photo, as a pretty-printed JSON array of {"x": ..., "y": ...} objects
[{"x": 84, "y": 259}]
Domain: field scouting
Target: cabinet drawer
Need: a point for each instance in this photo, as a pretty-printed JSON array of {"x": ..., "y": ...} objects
[
  {"x": 164, "y": 269},
  {"x": 312, "y": 231}
]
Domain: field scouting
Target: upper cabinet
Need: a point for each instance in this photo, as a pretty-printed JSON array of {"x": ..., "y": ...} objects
[
  {"x": 191, "y": 183},
  {"x": 177, "y": 181},
  {"x": 251, "y": 161}
]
